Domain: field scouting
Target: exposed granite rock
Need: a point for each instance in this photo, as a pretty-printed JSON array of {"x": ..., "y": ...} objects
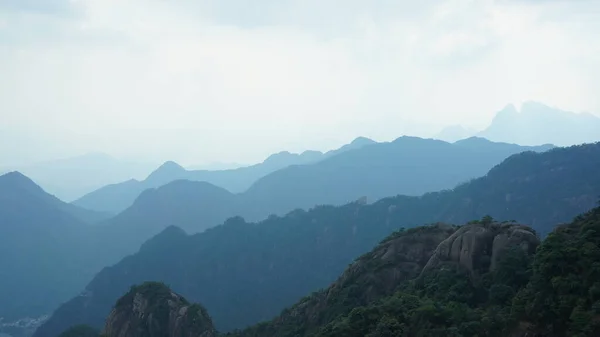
[
  {"x": 477, "y": 247},
  {"x": 399, "y": 258},
  {"x": 153, "y": 310}
]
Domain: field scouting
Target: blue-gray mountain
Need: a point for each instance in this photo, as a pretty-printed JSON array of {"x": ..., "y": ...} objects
[
  {"x": 248, "y": 272},
  {"x": 117, "y": 197},
  {"x": 70, "y": 178},
  {"x": 42, "y": 248},
  {"x": 374, "y": 170},
  {"x": 534, "y": 124}
]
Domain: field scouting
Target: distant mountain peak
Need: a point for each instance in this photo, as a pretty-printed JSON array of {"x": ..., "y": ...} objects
[
  {"x": 362, "y": 141},
  {"x": 168, "y": 171},
  {"x": 171, "y": 235},
  {"x": 475, "y": 139},
  {"x": 17, "y": 180},
  {"x": 534, "y": 105},
  {"x": 538, "y": 123},
  {"x": 170, "y": 165},
  {"x": 507, "y": 113}
]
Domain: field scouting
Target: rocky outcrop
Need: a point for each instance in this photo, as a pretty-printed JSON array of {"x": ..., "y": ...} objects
[
  {"x": 478, "y": 246},
  {"x": 377, "y": 274},
  {"x": 153, "y": 310}
]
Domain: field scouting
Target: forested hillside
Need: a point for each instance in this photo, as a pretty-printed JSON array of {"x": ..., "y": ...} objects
[
  {"x": 513, "y": 292},
  {"x": 484, "y": 278},
  {"x": 282, "y": 259}
]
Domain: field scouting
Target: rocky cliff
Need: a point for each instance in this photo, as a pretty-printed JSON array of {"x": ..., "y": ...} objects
[
  {"x": 153, "y": 310},
  {"x": 478, "y": 246}
]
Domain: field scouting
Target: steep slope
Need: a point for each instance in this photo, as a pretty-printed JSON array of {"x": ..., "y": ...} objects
[
  {"x": 552, "y": 292},
  {"x": 191, "y": 205},
  {"x": 23, "y": 187},
  {"x": 282, "y": 259},
  {"x": 38, "y": 235},
  {"x": 537, "y": 123},
  {"x": 153, "y": 310},
  {"x": 563, "y": 295},
  {"x": 404, "y": 256}
]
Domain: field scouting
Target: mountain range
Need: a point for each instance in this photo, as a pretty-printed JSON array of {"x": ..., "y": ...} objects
[
  {"x": 485, "y": 278},
  {"x": 117, "y": 197},
  {"x": 248, "y": 272},
  {"x": 70, "y": 178},
  {"x": 42, "y": 239},
  {"x": 533, "y": 124},
  {"x": 481, "y": 279},
  {"x": 363, "y": 168},
  {"x": 195, "y": 206}
]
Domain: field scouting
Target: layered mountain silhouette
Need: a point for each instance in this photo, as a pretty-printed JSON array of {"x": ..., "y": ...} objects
[
  {"x": 533, "y": 124},
  {"x": 408, "y": 165},
  {"x": 70, "y": 178},
  {"x": 537, "y": 123},
  {"x": 248, "y": 272},
  {"x": 42, "y": 240},
  {"x": 117, "y": 197}
]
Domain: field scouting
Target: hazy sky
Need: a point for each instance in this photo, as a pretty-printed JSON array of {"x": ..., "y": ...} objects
[{"x": 234, "y": 80}]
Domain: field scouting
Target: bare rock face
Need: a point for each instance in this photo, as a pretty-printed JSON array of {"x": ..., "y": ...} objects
[
  {"x": 153, "y": 310},
  {"x": 477, "y": 247}
]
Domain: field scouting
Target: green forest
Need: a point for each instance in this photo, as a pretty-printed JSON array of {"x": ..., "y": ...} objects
[{"x": 546, "y": 288}]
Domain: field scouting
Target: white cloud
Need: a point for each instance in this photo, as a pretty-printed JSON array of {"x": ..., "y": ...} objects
[{"x": 200, "y": 81}]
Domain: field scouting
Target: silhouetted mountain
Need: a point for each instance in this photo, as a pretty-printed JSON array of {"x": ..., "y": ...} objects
[
  {"x": 71, "y": 178},
  {"x": 405, "y": 166},
  {"x": 248, "y": 272},
  {"x": 42, "y": 240},
  {"x": 16, "y": 186},
  {"x": 408, "y": 165},
  {"x": 116, "y": 198},
  {"x": 357, "y": 143},
  {"x": 537, "y": 124}
]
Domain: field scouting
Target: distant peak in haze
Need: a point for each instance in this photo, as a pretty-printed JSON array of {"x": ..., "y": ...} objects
[
  {"x": 278, "y": 156},
  {"x": 169, "y": 167},
  {"x": 507, "y": 113},
  {"x": 168, "y": 171},
  {"x": 537, "y": 123},
  {"x": 285, "y": 158},
  {"x": 474, "y": 139},
  {"x": 17, "y": 180},
  {"x": 362, "y": 141}
]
